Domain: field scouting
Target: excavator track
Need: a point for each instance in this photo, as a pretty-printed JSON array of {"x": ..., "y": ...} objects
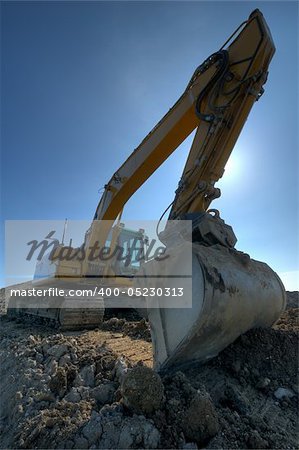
[{"x": 62, "y": 314}]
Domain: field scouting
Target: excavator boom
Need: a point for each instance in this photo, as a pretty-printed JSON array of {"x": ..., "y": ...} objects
[{"x": 216, "y": 103}]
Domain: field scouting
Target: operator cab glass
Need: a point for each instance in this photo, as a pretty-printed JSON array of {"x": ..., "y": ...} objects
[{"x": 130, "y": 252}]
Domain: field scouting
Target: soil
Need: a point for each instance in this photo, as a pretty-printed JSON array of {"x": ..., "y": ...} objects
[{"x": 96, "y": 389}]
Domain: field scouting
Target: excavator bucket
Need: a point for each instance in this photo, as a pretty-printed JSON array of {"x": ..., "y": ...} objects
[{"x": 231, "y": 293}]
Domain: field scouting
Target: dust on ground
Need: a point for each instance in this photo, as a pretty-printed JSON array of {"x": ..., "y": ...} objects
[{"x": 95, "y": 389}]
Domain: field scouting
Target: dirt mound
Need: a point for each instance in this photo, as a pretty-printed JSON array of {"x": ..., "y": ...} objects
[
  {"x": 253, "y": 385},
  {"x": 142, "y": 390},
  {"x": 92, "y": 390},
  {"x": 63, "y": 392},
  {"x": 292, "y": 299},
  {"x": 138, "y": 329}
]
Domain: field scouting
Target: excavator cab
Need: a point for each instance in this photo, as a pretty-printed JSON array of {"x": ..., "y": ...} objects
[{"x": 133, "y": 245}]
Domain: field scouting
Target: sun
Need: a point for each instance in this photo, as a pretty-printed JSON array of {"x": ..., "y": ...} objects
[{"x": 232, "y": 168}]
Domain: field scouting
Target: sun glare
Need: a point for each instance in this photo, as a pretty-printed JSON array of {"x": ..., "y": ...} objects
[{"x": 232, "y": 167}]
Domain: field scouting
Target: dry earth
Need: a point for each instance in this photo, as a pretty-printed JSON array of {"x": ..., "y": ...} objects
[{"x": 95, "y": 389}]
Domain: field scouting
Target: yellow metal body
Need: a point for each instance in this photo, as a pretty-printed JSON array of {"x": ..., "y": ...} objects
[{"x": 216, "y": 103}]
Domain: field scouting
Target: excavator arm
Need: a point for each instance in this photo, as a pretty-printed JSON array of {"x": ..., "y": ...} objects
[{"x": 216, "y": 103}]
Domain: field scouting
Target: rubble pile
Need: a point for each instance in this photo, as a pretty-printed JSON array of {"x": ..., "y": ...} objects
[
  {"x": 81, "y": 390},
  {"x": 138, "y": 329}
]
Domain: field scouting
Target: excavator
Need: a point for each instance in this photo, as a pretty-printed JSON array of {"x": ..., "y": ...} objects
[{"x": 231, "y": 293}]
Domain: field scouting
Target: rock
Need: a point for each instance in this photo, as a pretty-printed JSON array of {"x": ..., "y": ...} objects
[
  {"x": 29, "y": 400},
  {"x": 87, "y": 375},
  {"x": 142, "y": 390},
  {"x": 236, "y": 366},
  {"x": 73, "y": 396},
  {"x": 74, "y": 358},
  {"x": 255, "y": 372},
  {"x": 58, "y": 382},
  {"x": 45, "y": 346},
  {"x": 31, "y": 363},
  {"x": 78, "y": 380},
  {"x": 98, "y": 379},
  {"x": 103, "y": 393},
  {"x": 255, "y": 441},
  {"x": 71, "y": 374},
  {"x": 112, "y": 410},
  {"x": 128, "y": 432},
  {"x": 263, "y": 383},
  {"x": 93, "y": 430},
  {"x": 44, "y": 396},
  {"x": 20, "y": 409},
  {"x": 126, "y": 437},
  {"x": 50, "y": 422},
  {"x": 189, "y": 446},
  {"x": 69, "y": 444},
  {"x": 46, "y": 378},
  {"x": 200, "y": 420},
  {"x": 151, "y": 436},
  {"x": 81, "y": 443},
  {"x": 57, "y": 350},
  {"x": 84, "y": 392},
  {"x": 236, "y": 400},
  {"x": 65, "y": 360},
  {"x": 39, "y": 358},
  {"x": 52, "y": 366},
  {"x": 120, "y": 368},
  {"x": 31, "y": 340},
  {"x": 283, "y": 392}
]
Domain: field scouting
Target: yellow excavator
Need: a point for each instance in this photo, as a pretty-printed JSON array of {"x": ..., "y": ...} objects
[{"x": 231, "y": 293}]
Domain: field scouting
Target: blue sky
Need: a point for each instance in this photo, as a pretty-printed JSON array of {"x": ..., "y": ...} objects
[{"x": 84, "y": 82}]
